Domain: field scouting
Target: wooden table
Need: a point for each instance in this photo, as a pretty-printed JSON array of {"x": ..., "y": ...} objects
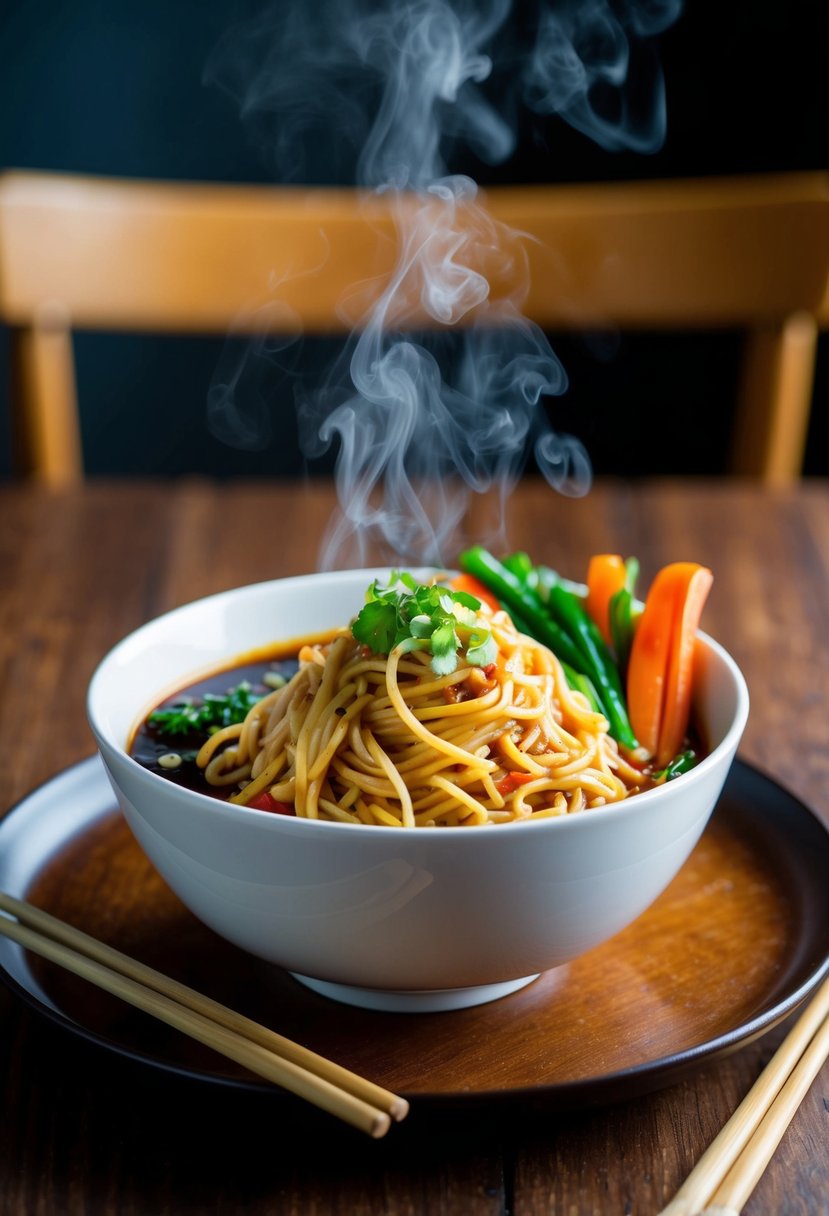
[{"x": 85, "y": 1131}]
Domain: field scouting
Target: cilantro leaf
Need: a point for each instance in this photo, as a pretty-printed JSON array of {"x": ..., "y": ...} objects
[
  {"x": 445, "y": 645},
  {"x": 427, "y": 616},
  {"x": 378, "y": 626}
]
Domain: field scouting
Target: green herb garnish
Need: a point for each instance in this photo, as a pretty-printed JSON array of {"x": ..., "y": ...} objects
[
  {"x": 419, "y": 617},
  {"x": 205, "y": 714},
  {"x": 683, "y": 763}
]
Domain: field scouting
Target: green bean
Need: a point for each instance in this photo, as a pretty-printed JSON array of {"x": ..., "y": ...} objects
[
  {"x": 582, "y": 683},
  {"x": 520, "y": 603},
  {"x": 597, "y": 661},
  {"x": 621, "y": 616}
]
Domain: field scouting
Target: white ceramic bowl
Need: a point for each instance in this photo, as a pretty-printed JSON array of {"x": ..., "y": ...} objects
[{"x": 418, "y": 919}]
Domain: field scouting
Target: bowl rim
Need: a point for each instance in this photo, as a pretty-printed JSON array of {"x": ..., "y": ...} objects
[{"x": 288, "y": 824}]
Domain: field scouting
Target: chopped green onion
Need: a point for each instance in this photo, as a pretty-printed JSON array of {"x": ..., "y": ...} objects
[{"x": 206, "y": 714}]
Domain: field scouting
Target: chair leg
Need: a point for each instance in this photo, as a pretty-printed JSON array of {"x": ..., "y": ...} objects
[
  {"x": 775, "y": 401},
  {"x": 46, "y": 425}
]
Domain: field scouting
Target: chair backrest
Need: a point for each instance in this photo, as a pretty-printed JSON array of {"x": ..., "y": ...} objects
[{"x": 748, "y": 253}]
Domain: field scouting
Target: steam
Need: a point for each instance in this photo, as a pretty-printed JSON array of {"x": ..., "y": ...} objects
[
  {"x": 594, "y": 64},
  {"x": 440, "y": 392}
]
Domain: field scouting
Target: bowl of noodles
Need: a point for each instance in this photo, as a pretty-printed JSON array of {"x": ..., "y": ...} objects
[{"x": 403, "y": 831}]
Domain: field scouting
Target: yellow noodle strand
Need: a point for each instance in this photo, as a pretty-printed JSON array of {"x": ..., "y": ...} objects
[{"x": 358, "y": 738}]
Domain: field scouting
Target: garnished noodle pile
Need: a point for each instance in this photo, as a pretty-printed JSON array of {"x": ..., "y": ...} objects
[{"x": 362, "y": 738}]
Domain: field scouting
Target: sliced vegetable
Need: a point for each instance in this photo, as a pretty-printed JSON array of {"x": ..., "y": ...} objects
[
  {"x": 660, "y": 669},
  {"x": 512, "y": 781},
  {"x": 634, "y": 665},
  {"x": 264, "y": 801},
  {"x": 624, "y": 616},
  {"x": 649, "y": 663},
  {"x": 606, "y": 576},
  {"x": 680, "y": 675},
  {"x": 596, "y": 661}
]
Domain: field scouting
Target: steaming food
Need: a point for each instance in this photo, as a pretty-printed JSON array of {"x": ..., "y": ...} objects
[
  {"x": 431, "y": 708},
  {"x": 365, "y": 738}
]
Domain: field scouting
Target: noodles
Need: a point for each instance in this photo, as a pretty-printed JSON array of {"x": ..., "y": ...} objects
[{"x": 358, "y": 737}]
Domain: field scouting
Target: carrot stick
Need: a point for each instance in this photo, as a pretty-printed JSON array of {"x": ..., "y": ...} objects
[
  {"x": 474, "y": 586},
  {"x": 605, "y": 576},
  {"x": 661, "y": 657},
  {"x": 649, "y": 660},
  {"x": 679, "y": 679}
]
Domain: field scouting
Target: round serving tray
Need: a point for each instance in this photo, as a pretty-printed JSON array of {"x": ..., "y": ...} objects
[{"x": 733, "y": 946}]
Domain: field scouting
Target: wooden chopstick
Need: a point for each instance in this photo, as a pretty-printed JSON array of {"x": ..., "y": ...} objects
[
  {"x": 730, "y": 1168},
  {"x": 318, "y": 1080}
]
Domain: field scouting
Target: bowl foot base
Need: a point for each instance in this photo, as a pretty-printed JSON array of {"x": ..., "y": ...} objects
[{"x": 432, "y": 1000}]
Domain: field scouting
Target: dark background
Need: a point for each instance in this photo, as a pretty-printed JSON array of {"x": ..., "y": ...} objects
[{"x": 117, "y": 88}]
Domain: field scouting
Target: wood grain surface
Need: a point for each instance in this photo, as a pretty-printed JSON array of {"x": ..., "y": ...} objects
[{"x": 89, "y": 1132}]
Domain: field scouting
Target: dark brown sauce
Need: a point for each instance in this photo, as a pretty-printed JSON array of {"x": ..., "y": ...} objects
[{"x": 149, "y": 744}]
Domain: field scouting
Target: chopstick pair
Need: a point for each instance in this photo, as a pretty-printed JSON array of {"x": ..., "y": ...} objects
[
  {"x": 335, "y": 1089},
  {"x": 730, "y": 1168}
]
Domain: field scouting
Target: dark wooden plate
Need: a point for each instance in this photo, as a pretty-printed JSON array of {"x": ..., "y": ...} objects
[{"x": 737, "y": 941}]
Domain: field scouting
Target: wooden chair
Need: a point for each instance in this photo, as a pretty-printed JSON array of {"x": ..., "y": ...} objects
[{"x": 748, "y": 253}]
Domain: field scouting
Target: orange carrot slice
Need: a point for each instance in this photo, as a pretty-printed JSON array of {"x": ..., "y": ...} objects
[
  {"x": 679, "y": 679},
  {"x": 661, "y": 658},
  {"x": 474, "y": 586},
  {"x": 605, "y": 576}
]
